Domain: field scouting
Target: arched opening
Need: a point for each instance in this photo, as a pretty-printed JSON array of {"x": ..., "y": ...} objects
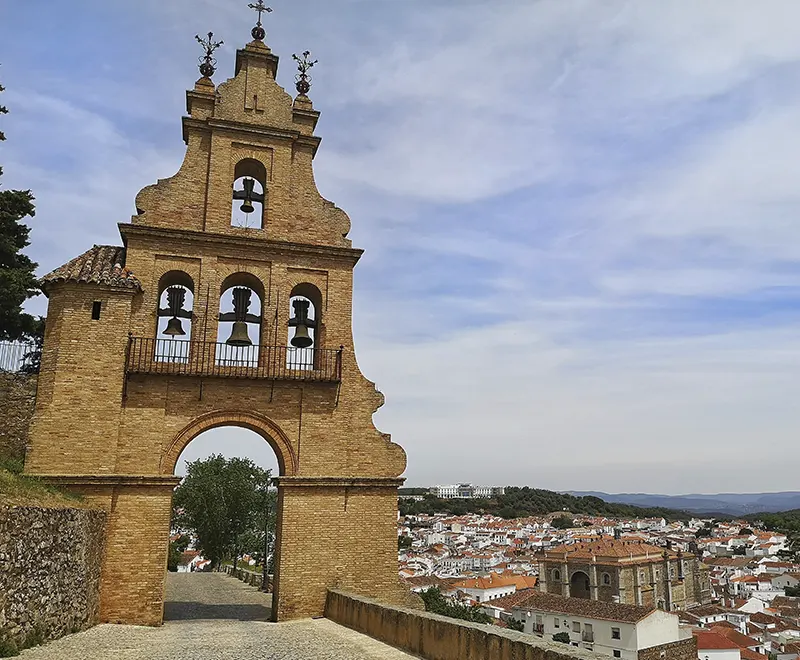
[
  {"x": 606, "y": 579},
  {"x": 228, "y": 505},
  {"x": 249, "y": 194},
  {"x": 239, "y": 328},
  {"x": 579, "y": 585},
  {"x": 174, "y": 316},
  {"x": 305, "y": 327}
]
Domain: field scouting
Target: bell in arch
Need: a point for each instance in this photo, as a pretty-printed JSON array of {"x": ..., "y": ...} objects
[
  {"x": 240, "y": 317},
  {"x": 301, "y": 323},
  {"x": 248, "y": 195},
  {"x": 176, "y": 296}
]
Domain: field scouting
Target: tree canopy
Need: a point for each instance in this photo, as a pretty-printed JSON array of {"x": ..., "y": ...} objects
[
  {"x": 17, "y": 279},
  {"x": 225, "y": 504}
]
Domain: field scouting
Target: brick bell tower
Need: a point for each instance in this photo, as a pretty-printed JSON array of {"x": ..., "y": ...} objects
[{"x": 229, "y": 303}]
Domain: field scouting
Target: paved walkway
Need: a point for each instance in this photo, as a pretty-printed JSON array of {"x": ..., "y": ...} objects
[{"x": 216, "y": 617}]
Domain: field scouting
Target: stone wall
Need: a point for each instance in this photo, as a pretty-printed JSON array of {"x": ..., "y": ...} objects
[
  {"x": 685, "y": 649},
  {"x": 253, "y": 578},
  {"x": 49, "y": 571},
  {"x": 435, "y": 637},
  {"x": 17, "y": 401}
]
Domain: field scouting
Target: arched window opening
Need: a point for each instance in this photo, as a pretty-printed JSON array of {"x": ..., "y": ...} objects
[
  {"x": 305, "y": 302},
  {"x": 606, "y": 579},
  {"x": 249, "y": 194},
  {"x": 556, "y": 575},
  {"x": 174, "y": 324},
  {"x": 239, "y": 329}
]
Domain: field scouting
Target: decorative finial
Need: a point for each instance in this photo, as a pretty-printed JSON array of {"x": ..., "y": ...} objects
[
  {"x": 258, "y": 31},
  {"x": 303, "y": 83},
  {"x": 207, "y": 62}
]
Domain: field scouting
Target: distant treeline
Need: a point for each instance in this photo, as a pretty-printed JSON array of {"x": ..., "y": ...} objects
[
  {"x": 520, "y": 502},
  {"x": 784, "y": 521}
]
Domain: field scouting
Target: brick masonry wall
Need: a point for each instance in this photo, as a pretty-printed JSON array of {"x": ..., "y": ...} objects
[
  {"x": 435, "y": 637},
  {"x": 17, "y": 401},
  {"x": 50, "y": 563}
]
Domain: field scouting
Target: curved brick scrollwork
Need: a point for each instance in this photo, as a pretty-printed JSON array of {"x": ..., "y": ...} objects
[{"x": 261, "y": 424}]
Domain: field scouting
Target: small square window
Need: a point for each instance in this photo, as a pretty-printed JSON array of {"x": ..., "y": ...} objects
[
  {"x": 617, "y": 654},
  {"x": 615, "y": 633},
  {"x": 96, "y": 310}
]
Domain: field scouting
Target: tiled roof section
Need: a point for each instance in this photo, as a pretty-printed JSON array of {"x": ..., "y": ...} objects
[
  {"x": 608, "y": 549},
  {"x": 708, "y": 640},
  {"x": 593, "y": 609},
  {"x": 512, "y": 600},
  {"x": 102, "y": 264}
]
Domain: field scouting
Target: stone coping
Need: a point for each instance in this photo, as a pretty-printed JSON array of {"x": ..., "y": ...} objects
[{"x": 437, "y": 637}]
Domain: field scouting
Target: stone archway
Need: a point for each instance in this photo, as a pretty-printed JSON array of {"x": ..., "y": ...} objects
[
  {"x": 269, "y": 431},
  {"x": 579, "y": 585},
  {"x": 261, "y": 424}
]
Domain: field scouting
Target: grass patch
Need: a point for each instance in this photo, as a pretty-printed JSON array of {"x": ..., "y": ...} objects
[{"x": 22, "y": 490}]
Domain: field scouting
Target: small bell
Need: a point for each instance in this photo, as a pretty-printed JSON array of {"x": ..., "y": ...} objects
[
  {"x": 174, "y": 327},
  {"x": 301, "y": 322},
  {"x": 301, "y": 338},
  {"x": 239, "y": 336},
  {"x": 247, "y": 204}
]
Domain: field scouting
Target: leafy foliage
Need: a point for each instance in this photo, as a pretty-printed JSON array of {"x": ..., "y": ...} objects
[
  {"x": 17, "y": 279},
  {"x": 404, "y": 542},
  {"x": 562, "y": 637},
  {"x": 793, "y": 591},
  {"x": 435, "y": 602},
  {"x": 224, "y": 502},
  {"x": 515, "y": 624},
  {"x": 562, "y": 522},
  {"x": 785, "y": 521},
  {"x": 518, "y": 502}
]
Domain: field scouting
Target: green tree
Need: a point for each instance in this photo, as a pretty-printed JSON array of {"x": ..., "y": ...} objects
[
  {"x": 561, "y": 637},
  {"x": 435, "y": 602},
  {"x": 515, "y": 624},
  {"x": 793, "y": 591},
  {"x": 222, "y": 502},
  {"x": 17, "y": 279},
  {"x": 562, "y": 522},
  {"x": 706, "y": 531},
  {"x": 404, "y": 542}
]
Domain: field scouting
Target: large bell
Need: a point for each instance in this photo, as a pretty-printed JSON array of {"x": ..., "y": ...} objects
[
  {"x": 239, "y": 336},
  {"x": 301, "y": 338},
  {"x": 174, "y": 327}
]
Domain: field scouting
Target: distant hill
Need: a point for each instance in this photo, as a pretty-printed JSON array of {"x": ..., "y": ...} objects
[
  {"x": 519, "y": 502},
  {"x": 731, "y": 504}
]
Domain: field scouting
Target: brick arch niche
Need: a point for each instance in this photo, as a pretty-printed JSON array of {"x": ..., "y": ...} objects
[{"x": 261, "y": 424}]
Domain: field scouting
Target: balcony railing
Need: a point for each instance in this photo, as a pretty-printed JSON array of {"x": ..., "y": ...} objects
[
  {"x": 174, "y": 357},
  {"x": 588, "y": 636}
]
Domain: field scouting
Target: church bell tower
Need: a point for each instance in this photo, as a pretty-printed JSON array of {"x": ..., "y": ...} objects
[{"x": 228, "y": 304}]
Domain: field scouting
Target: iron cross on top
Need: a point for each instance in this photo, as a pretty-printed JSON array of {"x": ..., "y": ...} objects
[{"x": 259, "y": 7}]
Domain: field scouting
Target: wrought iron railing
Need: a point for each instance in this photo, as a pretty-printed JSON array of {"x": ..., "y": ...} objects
[
  {"x": 18, "y": 356},
  {"x": 147, "y": 355}
]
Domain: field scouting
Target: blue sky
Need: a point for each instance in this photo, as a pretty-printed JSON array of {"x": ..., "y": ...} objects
[{"x": 582, "y": 264}]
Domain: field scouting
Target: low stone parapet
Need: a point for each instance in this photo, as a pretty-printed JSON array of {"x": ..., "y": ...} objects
[
  {"x": 253, "y": 578},
  {"x": 436, "y": 637}
]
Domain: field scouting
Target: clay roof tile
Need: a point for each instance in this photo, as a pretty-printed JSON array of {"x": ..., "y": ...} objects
[{"x": 101, "y": 264}]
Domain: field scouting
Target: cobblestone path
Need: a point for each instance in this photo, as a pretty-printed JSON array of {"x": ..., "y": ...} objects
[{"x": 243, "y": 635}]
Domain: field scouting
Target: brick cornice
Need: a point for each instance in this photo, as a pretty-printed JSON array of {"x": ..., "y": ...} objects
[
  {"x": 350, "y": 255},
  {"x": 109, "y": 479},
  {"x": 340, "y": 482}
]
